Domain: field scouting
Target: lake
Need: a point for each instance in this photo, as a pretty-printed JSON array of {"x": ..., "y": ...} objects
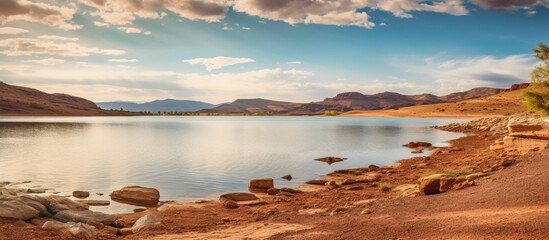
[{"x": 197, "y": 157}]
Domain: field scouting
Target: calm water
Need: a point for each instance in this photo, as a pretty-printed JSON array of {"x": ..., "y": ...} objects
[{"x": 197, "y": 157}]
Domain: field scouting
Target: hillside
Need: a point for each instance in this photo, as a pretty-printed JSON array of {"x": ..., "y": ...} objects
[
  {"x": 504, "y": 103},
  {"x": 22, "y": 101},
  {"x": 350, "y": 101},
  {"x": 248, "y": 106},
  {"x": 167, "y": 105}
]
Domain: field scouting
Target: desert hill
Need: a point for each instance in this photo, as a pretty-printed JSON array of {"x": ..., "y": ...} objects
[
  {"x": 504, "y": 103},
  {"x": 20, "y": 101},
  {"x": 249, "y": 106}
]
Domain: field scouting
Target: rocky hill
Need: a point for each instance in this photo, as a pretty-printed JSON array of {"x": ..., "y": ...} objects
[
  {"x": 21, "y": 101},
  {"x": 249, "y": 106}
]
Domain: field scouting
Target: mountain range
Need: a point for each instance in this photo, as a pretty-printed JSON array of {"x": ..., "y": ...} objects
[{"x": 16, "y": 100}]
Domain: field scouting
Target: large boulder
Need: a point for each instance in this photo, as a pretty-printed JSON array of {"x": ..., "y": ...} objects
[
  {"x": 260, "y": 185},
  {"x": 430, "y": 184},
  {"x": 136, "y": 195},
  {"x": 58, "y": 203},
  {"x": 17, "y": 209},
  {"x": 85, "y": 216},
  {"x": 145, "y": 222},
  {"x": 79, "y": 230}
]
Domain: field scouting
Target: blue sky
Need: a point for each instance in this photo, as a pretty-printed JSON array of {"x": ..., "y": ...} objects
[{"x": 217, "y": 51}]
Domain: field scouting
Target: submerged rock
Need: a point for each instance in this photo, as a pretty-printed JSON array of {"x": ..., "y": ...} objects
[
  {"x": 331, "y": 160},
  {"x": 287, "y": 177},
  {"x": 418, "y": 145},
  {"x": 136, "y": 195},
  {"x": 80, "y": 194},
  {"x": 95, "y": 202},
  {"x": 317, "y": 182},
  {"x": 58, "y": 203}
]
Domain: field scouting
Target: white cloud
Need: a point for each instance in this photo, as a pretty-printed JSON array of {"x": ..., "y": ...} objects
[
  {"x": 485, "y": 71},
  {"x": 101, "y": 24},
  {"x": 12, "y": 30},
  {"x": 37, "y": 46},
  {"x": 46, "y": 61},
  {"x": 246, "y": 28},
  {"x": 147, "y": 33},
  {"x": 218, "y": 62},
  {"x": 294, "y": 62},
  {"x": 38, "y": 12},
  {"x": 130, "y": 29},
  {"x": 123, "y": 60},
  {"x": 58, "y": 38}
]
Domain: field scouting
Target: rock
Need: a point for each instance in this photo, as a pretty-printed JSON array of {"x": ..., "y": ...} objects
[
  {"x": 230, "y": 204},
  {"x": 287, "y": 177},
  {"x": 373, "y": 168},
  {"x": 447, "y": 183},
  {"x": 79, "y": 230},
  {"x": 417, "y": 145},
  {"x": 251, "y": 203},
  {"x": 290, "y": 190},
  {"x": 364, "y": 202},
  {"x": 273, "y": 191},
  {"x": 331, "y": 160},
  {"x": 125, "y": 231},
  {"x": 463, "y": 185},
  {"x": 95, "y": 202},
  {"x": 85, "y": 216},
  {"x": 80, "y": 194},
  {"x": 332, "y": 184},
  {"x": 474, "y": 176},
  {"x": 145, "y": 222},
  {"x": 136, "y": 195},
  {"x": 136, "y": 210},
  {"x": 317, "y": 182},
  {"x": 348, "y": 181},
  {"x": 430, "y": 184},
  {"x": 519, "y": 145},
  {"x": 36, "y": 190},
  {"x": 366, "y": 211},
  {"x": 36, "y": 205},
  {"x": 287, "y": 194},
  {"x": 260, "y": 185},
  {"x": 17, "y": 209},
  {"x": 354, "y": 188},
  {"x": 237, "y": 197},
  {"x": 407, "y": 190},
  {"x": 312, "y": 211},
  {"x": 524, "y": 128},
  {"x": 373, "y": 177},
  {"x": 58, "y": 203},
  {"x": 507, "y": 162}
]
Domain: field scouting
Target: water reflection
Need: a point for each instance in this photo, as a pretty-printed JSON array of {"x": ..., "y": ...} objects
[{"x": 197, "y": 157}]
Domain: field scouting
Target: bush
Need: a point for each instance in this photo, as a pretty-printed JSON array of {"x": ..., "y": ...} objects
[
  {"x": 537, "y": 94},
  {"x": 459, "y": 172},
  {"x": 385, "y": 187}
]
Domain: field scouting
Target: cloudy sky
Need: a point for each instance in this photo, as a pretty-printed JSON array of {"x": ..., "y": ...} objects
[{"x": 296, "y": 50}]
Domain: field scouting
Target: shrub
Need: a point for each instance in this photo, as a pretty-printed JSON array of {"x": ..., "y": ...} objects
[
  {"x": 537, "y": 94},
  {"x": 458, "y": 172},
  {"x": 385, "y": 187}
]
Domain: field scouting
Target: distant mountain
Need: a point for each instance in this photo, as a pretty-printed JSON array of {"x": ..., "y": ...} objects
[
  {"x": 18, "y": 101},
  {"x": 345, "y": 102},
  {"x": 167, "y": 105},
  {"x": 350, "y": 101},
  {"x": 247, "y": 106}
]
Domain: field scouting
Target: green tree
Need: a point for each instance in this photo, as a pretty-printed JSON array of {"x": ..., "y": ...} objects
[{"x": 537, "y": 94}]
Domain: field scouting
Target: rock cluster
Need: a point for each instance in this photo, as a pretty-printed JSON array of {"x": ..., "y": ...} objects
[{"x": 496, "y": 125}]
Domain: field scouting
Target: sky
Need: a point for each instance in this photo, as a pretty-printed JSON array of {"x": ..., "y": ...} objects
[{"x": 293, "y": 50}]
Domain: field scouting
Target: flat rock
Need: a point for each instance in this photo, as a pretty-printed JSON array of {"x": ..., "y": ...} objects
[
  {"x": 417, "y": 145},
  {"x": 331, "y": 160},
  {"x": 290, "y": 190},
  {"x": 136, "y": 195},
  {"x": 317, "y": 182},
  {"x": 524, "y": 128},
  {"x": 85, "y": 216},
  {"x": 474, "y": 176},
  {"x": 36, "y": 190},
  {"x": 17, "y": 209},
  {"x": 95, "y": 202},
  {"x": 79, "y": 230},
  {"x": 251, "y": 203},
  {"x": 237, "y": 197}
]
